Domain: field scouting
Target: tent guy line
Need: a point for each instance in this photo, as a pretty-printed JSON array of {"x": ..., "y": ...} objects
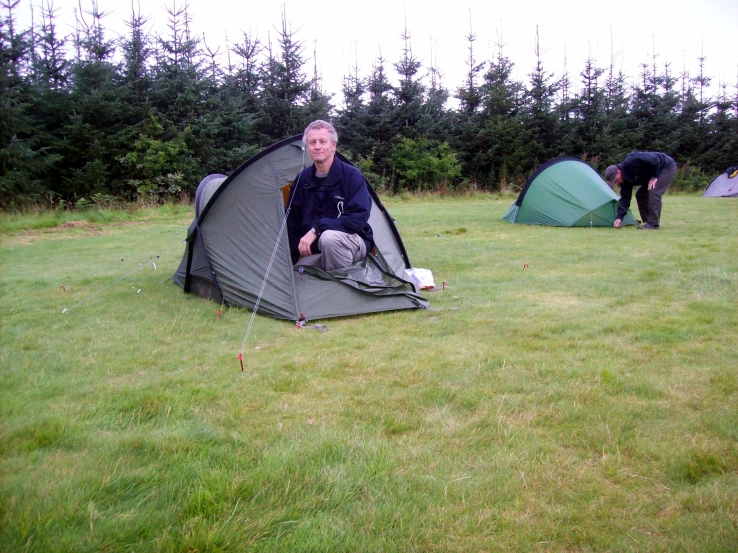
[
  {"x": 269, "y": 266},
  {"x": 150, "y": 261}
]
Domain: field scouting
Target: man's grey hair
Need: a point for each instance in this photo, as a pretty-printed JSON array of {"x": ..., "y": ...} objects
[
  {"x": 610, "y": 173},
  {"x": 317, "y": 125}
]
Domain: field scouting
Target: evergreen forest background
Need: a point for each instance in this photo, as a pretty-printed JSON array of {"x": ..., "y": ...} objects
[{"x": 86, "y": 119}]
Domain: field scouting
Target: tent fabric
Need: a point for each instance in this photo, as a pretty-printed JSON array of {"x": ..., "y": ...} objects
[
  {"x": 238, "y": 235},
  {"x": 723, "y": 185},
  {"x": 566, "y": 192}
]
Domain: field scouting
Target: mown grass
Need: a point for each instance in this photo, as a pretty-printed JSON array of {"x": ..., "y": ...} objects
[
  {"x": 42, "y": 219},
  {"x": 570, "y": 390}
]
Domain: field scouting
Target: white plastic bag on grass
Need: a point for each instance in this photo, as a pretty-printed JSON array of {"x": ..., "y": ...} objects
[{"x": 422, "y": 278}]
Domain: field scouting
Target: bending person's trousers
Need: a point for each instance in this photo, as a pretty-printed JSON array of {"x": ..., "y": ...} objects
[{"x": 649, "y": 201}]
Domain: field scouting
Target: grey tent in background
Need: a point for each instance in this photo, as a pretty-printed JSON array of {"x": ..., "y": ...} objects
[
  {"x": 235, "y": 236},
  {"x": 725, "y": 185}
]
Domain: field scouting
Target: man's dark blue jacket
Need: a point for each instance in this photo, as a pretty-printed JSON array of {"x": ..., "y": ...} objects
[
  {"x": 638, "y": 168},
  {"x": 342, "y": 202}
]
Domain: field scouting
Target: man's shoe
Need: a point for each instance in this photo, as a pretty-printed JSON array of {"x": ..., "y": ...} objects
[{"x": 648, "y": 226}]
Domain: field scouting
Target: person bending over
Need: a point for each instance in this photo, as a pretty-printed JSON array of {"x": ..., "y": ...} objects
[{"x": 652, "y": 173}]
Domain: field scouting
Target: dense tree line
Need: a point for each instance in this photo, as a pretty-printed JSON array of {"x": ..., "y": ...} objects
[{"x": 84, "y": 117}]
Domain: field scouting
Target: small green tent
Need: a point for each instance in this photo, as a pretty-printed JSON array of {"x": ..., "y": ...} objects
[
  {"x": 566, "y": 192},
  {"x": 239, "y": 236}
]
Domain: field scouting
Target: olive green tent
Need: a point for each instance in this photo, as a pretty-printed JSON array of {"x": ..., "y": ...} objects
[
  {"x": 566, "y": 192},
  {"x": 238, "y": 237}
]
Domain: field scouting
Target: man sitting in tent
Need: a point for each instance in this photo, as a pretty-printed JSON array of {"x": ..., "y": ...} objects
[
  {"x": 652, "y": 172},
  {"x": 329, "y": 205}
]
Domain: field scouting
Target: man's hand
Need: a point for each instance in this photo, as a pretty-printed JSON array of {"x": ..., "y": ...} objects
[
  {"x": 307, "y": 241},
  {"x": 617, "y": 223},
  {"x": 652, "y": 183}
]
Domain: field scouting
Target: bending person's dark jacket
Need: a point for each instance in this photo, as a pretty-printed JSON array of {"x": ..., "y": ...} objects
[
  {"x": 341, "y": 203},
  {"x": 638, "y": 168}
]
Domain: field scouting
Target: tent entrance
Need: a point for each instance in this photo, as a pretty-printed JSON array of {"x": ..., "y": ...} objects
[{"x": 286, "y": 193}]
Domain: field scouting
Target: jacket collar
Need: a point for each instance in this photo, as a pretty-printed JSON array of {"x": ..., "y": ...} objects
[{"x": 333, "y": 177}]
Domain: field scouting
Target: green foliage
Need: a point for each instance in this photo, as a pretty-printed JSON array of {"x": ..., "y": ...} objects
[
  {"x": 690, "y": 178},
  {"x": 75, "y": 119},
  {"x": 158, "y": 165},
  {"x": 91, "y": 177},
  {"x": 105, "y": 201},
  {"x": 422, "y": 164},
  {"x": 82, "y": 204},
  {"x": 368, "y": 168}
]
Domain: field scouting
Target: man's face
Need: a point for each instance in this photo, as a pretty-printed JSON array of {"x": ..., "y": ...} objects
[
  {"x": 321, "y": 147},
  {"x": 619, "y": 177}
]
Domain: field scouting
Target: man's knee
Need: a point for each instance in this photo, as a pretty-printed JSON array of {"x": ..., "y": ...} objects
[
  {"x": 329, "y": 240},
  {"x": 340, "y": 249}
]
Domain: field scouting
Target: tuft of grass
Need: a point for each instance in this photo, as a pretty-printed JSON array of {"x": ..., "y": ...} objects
[{"x": 571, "y": 389}]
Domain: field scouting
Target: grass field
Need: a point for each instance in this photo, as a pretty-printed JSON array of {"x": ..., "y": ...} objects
[{"x": 571, "y": 390}]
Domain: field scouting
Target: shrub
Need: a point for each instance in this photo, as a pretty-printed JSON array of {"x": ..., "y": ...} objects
[
  {"x": 158, "y": 165},
  {"x": 423, "y": 164}
]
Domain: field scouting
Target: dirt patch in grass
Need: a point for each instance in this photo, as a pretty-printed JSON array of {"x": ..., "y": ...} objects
[
  {"x": 78, "y": 228},
  {"x": 73, "y": 224},
  {"x": 70, "y": 229},
  {"x": 89, "y": 229}
]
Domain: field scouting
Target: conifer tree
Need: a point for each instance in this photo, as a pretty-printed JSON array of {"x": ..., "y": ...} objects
[
  {"x": 409, "y": 92},
  {"x": 319, "y": 104},
  {"x": 89, "y": 147},
  {"x": 50, "y": 67},
  {"x": 616, "y": 111},
  {"x": 137, "y": 51},
  {"x": 49, "y": 104},
  {"x": 539, "y": 115},
  {"x": 588, "y": 109},
  {"x": 666, "y": 112},
  {"x": 23, "y": 160},
  {"x": 721, "y": 145},
  {"x": 234, "y": 108},
  {"x": 466, "y": 139},
  {"x": 380, "y": 129},
  {"x": 244, "y": 78},
  {"x": 565, "y": 110},
  {"x": 502, "y": 133},
  {"x": 178, "y": 120},
  {"x": 692, "y": 118},
  {"x": 76, "y": 119},
  {"x": 285, "y": 89},
  {"x": 351, "y": 120},
  {"x": 469, "y": 95},
  {"x": 436, "y": 122}
]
